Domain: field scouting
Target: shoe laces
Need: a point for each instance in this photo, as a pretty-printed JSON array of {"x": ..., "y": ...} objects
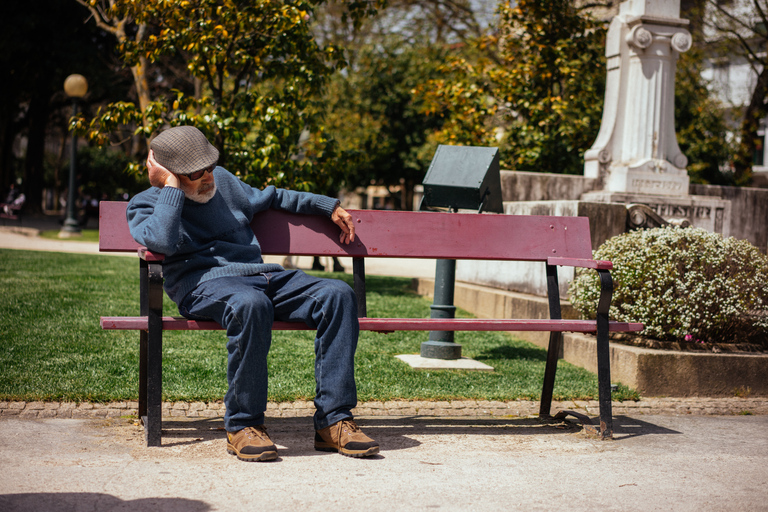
[
  {"x": 259, "y": 431},
  {"x": 350, "y": 426}
]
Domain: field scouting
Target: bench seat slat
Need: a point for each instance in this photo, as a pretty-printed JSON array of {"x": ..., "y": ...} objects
[{"x": 388, "y": 324}]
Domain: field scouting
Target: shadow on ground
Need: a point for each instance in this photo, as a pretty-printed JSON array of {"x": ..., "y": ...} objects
[
  {"x": 75, "y": 501},
  {"x": 625, "y": 427},
  {"x": 396, "y": 433}
]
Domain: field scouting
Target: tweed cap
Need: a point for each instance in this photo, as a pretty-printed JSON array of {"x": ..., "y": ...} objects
[{"x": 184, "y": 150}]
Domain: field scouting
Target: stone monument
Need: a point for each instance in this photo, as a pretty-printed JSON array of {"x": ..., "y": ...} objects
[{"x": 636, "y": 158}]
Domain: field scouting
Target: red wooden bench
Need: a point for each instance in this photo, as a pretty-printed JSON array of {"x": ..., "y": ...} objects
[{"x": 554, "y": 241}]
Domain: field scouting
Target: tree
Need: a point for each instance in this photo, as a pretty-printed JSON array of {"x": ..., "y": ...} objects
[
  {"x": 739, "y": 29},
  {"x": 259, "y": 74},
  {"x": 701, "y": 125},
  {"x": 372, "y": 113},
  {"x": 113, "y": 17},
  {"x": 418, "y": 22},
  {"x": 376, "y": 120},
  {"x": 534, "y": 88}
]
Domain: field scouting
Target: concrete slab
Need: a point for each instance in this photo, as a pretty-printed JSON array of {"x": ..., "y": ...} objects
[{"x": 427, "y": 363}]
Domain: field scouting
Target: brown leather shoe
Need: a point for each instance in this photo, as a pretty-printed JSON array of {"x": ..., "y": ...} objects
[
  {"x": 251, "y": 444},
  {"x": 346, "y": 438}
]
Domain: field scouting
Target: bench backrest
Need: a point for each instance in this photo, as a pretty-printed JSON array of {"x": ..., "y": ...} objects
[{"x": 396, "y": 234}]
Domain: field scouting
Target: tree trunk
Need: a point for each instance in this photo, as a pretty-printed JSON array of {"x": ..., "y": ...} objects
[
  {"x": 7, "y": 136},
  {"x": 140, "y": 79},
  {"x": 33, "y": 166},
  {"x": 142, "y": 92},
  {"x": 139, "y": 71}
]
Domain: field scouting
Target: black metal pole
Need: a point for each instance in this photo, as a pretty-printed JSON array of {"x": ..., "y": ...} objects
[
  {"x": 71, "y": 226},
  {"x": 440, "y": 344}
]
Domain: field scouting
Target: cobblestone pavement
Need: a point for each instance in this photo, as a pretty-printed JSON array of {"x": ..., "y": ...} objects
[{"x": 517, "y": 408}]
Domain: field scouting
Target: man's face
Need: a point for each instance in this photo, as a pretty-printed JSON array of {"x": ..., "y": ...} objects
[{"x": 200, "y": 190}]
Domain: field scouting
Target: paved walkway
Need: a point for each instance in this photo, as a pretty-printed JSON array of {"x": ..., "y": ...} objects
[{"x": 655, "y": 463}]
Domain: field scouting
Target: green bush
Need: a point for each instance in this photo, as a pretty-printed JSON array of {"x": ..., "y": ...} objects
[{"x": 684, "y": 285}]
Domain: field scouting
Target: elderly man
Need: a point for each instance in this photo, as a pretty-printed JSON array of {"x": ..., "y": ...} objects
[{"x": 199, "y": 216}]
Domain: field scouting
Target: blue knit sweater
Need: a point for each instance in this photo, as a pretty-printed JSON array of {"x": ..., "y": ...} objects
[{"x": 214, "y": 239}]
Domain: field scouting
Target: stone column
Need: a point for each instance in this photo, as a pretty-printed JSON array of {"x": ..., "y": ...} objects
[
  {"x": 636, "y": 149},
  {"x": 635, "y": 158}
]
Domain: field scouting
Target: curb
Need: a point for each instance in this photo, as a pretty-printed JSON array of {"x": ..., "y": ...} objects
[{"x": 457, "y": 408}]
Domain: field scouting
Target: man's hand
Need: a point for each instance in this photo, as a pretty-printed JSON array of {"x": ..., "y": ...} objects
[
  {"x": 159, "y": 176},
  {"x": 344, "y": 221}
]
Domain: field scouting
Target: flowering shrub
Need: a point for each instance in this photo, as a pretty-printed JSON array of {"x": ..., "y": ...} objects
[{"x": 683, "y": 284}]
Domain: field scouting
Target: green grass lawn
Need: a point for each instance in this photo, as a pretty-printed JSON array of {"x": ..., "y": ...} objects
[{"x": 54, "y": 349}]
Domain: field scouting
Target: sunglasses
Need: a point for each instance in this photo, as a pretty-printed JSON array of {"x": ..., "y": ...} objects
[{"x": 199, "y": 174}]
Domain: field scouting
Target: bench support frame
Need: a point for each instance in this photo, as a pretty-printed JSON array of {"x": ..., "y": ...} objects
[
  {"x": 151, "y": 348},
  {"x": 555, "y": 352},
  {"x": 151, "y": 351}
]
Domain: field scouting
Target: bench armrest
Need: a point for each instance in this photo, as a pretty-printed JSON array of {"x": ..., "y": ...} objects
[
  {"x": 576, "y": 262},
  {"x": 148, "y": 255}
]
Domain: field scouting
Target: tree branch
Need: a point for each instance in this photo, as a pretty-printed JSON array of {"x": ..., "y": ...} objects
[{"x": 100, "y": 18}]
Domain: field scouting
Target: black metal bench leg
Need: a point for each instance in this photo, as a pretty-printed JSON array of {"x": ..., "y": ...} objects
[
  {"x": 143, "y": 335},
  {"x": 151, "y": 353},
  {"x": 555, "y": 344},
  {"x": 358, "y": 270},
  {"x": 604, "y": 355},
  {"x": 143, "y": 373},
  {"x": 553, "y": 354}
]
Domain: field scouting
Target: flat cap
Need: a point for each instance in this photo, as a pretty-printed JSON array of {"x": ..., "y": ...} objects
[{"x": 184, "y": 150}]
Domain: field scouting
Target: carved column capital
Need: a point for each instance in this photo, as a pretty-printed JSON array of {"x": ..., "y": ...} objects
[
  {"x": 639, "y": 37},
  {"x": 681, "y": 41}
]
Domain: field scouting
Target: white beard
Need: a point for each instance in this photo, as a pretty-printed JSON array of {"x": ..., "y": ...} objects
[{"x": 203, "y": 194}]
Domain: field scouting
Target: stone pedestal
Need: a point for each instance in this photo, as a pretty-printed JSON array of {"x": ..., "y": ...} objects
[
  {"x": 645, "y": 180},
  {"x": 710, "y": 213},
  {"x": 635, "y": 158}
]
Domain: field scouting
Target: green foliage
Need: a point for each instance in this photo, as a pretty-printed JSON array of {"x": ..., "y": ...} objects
[
  {"x": 683, "y": 284},
  {"x": 40, "y": 44},
  {"x": 260, "y": 73},
  {"x": 702, "y": 130},
  {"x": 102, "y": 174},
  {"x": 735, "y": 31},
  {"x": 534, "y": 89},
  {"x": 375, "y": 118}
]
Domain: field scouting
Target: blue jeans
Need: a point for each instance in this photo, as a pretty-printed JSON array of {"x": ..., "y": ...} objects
[{"x": 246, "y": 306}]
